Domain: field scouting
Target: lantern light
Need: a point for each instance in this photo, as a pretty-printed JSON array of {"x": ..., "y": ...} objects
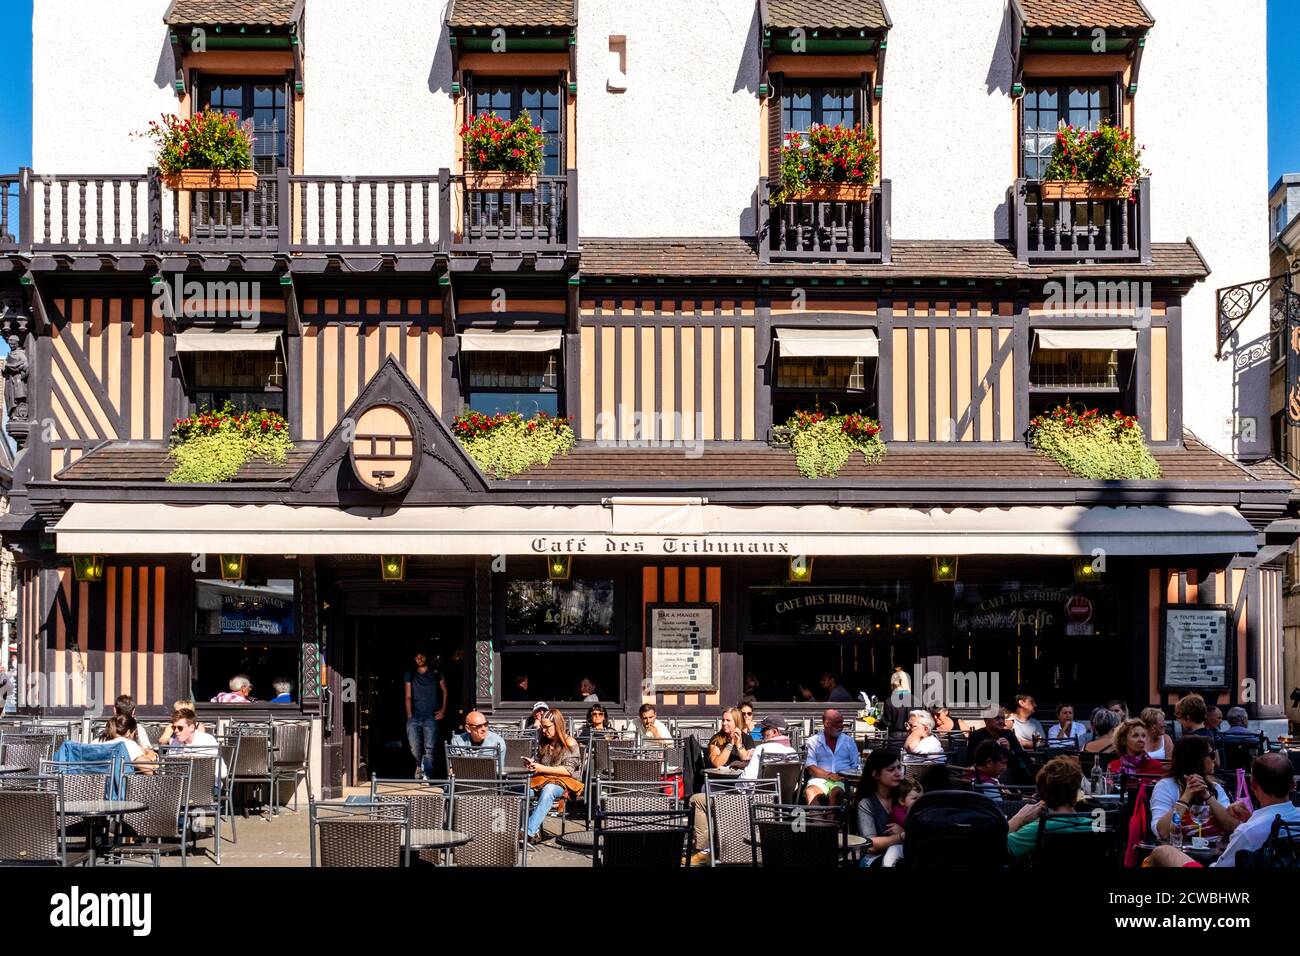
[
  {"x": 392, "y": 567},
  {"x": 232, "y": 567},
  {"x": 945, "y": 570},
  {"x": 88, "y": 567},
  {"x": 559, "y": 567},
  {"x": 801, "y": 569}
]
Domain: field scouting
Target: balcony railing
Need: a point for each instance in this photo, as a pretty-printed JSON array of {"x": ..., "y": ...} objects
[
  {"x": 285, "y": 214},
  {"x": 542, "y": 220},
  {"x": 1065, "y": 230},
  {"x": 824, "y": 231}
]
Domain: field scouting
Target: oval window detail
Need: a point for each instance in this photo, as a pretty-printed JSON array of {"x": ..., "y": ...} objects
[{"x": 383, "y": 449}]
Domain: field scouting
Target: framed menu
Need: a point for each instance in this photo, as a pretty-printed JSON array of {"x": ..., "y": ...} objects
[
  {"x": 1195, "y": 650},
  {"x": 682, "y": 647}
]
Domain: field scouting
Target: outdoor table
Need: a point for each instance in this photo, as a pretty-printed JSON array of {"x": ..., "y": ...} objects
[
  {"x": 13, "y": 768},
  {"x": 93, "y": 810},
  {"x": 1203, "y": 855},
  {"x": 723, "y": 771},
  {"x": 582, "y": 840},
  {"x": 430, "y": 838}
]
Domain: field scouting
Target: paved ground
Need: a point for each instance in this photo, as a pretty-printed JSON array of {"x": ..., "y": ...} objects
[{"x": 282, "y": 840}]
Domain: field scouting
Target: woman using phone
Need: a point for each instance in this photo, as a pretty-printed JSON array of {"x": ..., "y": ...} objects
[{"x": 554, "y": 771}]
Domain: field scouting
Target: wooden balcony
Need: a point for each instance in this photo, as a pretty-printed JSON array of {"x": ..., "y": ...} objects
[
  {"x": 824, "y": 231},
  {"x": 1064, "y": 230},
  {"x": 286, "y": 214}
]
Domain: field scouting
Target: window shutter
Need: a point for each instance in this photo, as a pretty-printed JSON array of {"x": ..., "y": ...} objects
[
  {"x": 775, "y": 122},
  {"x": 864, "y": 103},
  {"x": 1117, "y": 101},
  {"x": 562, "y": 124}
]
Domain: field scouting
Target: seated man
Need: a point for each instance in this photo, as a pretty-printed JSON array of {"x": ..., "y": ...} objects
[
  {"x": 776, "y": 740},
  {"x": 1238, "y": 724},
  {"x": 650, "y": 727},
  {"x": 478, "y": 735},
  {"x": 1270, "y": 783},
  {"x": 1058, "y": 789},
  {"x": 283, "y": 691},
  {"x": 827, "y": 754},
  {"x": 990, "y": 763},
  {"x": 186, "y": 736},
  {"x": 240, "y": 690}
]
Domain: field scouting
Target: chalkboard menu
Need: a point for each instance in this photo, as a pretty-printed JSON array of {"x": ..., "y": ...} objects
[
  {"x": 682, "y": 647},
  {"x": 1196, "y": 648}
]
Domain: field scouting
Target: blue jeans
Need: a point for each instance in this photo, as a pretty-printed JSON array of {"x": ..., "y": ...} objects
[
  {"x": 422, "y": 735},
  {"x": 546, "y": 797}
]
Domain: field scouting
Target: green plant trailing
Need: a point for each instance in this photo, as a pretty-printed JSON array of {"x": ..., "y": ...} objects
[
  {"x": 1107, "y": 156},
  {"x": 493, "y": 143},
  {"x": 208, "y": 140},
  {"x": 1092, "y": 445},
  {"x": 823, "y": 443},
  {"x": 830, "y": 154},
  {"x": 212, "y": 445},
  {"x": 503, "y": 445}
]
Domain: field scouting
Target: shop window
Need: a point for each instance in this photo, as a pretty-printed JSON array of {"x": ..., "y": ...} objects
[
  {"x": 523, "y": 382},
  {"x": 557, "y": 633},
  {"x": 859, "y": 633},
  {"x": 250, "y": 381},
  {"x": 1103, "y": 378},
  {"x": 834, "y": 370},
  {"x": 244, "y": 628}
]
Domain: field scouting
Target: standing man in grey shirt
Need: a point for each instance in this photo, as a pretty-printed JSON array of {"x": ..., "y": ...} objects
[{"x": 426, "y": 701}]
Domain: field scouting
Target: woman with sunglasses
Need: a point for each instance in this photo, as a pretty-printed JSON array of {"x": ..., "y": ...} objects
[
  {"x": 747, "y": 726},
  {"x": 1189, "y": 789},
  {"x": 597, "y": 720}
]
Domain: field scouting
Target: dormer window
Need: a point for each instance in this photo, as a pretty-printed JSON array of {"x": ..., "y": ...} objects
[{"x": 808, "y": 104}]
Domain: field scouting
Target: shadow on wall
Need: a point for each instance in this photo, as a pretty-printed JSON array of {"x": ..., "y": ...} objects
[
  {"x": 1251, "y": 412},
  {"x": 998, "y": 83},
  {"x": 165, "y": 74},
  {"x": 747, "y": 80},
  {"x": 440, "y": 68}
]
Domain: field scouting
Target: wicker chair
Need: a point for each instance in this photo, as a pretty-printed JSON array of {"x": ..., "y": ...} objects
[
  {"x": 478, "y": 808},
  {"x": 21, "y": 752},
  {"x": 645, "y": 764},
  {"x": 427, "y": 801},
  {"x": 359, "y": 834},
  {"x": 642, "y": 838},
  {"x": 252, "y": 765},
  {"x": 518, "y": 749},
  {"x": 728, "y": 803},
  {"x": 614, "y": 796},
  {"x": 798, "y": 836},
  {"x": 164, "y": 788},
  {"x": 209, "y": 791},
  {"x": 33, "y": 828},
  {"x": 787, "y": 768},
  {"x": 1082, "y": 845},
  {"x": 466, "y": 763},
  {"x": 292, "y": 756}
]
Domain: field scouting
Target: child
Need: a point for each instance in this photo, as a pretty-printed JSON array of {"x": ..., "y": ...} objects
[{"x": 905, "y": 794}]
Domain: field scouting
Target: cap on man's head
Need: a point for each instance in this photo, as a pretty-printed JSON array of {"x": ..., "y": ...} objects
[
  {"x": 774, "y": 722},
  {"x": 541, "y": 705}
]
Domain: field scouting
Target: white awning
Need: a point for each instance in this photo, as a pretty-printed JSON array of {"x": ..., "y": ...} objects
[
  {"x": 233, "y": 340},
  {"x": 828, "y": 343},
  {"x": 677, "y": 528},
  {"x": 511, "y": 340},
  {"x": 1098, "y": 339}
]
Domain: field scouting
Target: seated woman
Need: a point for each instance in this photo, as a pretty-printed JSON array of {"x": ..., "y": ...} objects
[
  {"x": 1190, "y": 787},
  {"x": 1066, "y": 728},
  {"x": 1130, "y": 741},
  {"x": 122, "y": 729},
  {"x": 944, "y": 723},
  {"x": 1104, "y": 723},
  {"x": 554, "y": 771},
  {"x": 921, "y": 741},
  {"x": 727, "y": 747},
  {"x": 882, "y": 772},
  {"x": 597, "y": 719},
  {"x": 1159, "y": 744}
]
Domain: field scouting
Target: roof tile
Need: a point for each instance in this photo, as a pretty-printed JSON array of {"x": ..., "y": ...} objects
[
  {"x": 1120, "y": 14},
  {"x": 513, "y": 13},
  {"x": 827, "y": 14},
  {"x": 259, "y": 12}
]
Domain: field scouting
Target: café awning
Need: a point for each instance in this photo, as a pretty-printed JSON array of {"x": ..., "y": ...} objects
[
  {"x": 511, "y": 340},
  {"x": 232, "y": 340},
  {"x": 828, "y": 343},
  {"x": 677, "y": 528},
  {"x": 1095, "y": 339}
]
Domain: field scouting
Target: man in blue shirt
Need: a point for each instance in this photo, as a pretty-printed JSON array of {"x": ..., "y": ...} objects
[
  {"x": 478, "y": 735},
  {"x": 283, "y": 692},
  {"x": 827, "y": 755},
  {"x": 426, "y": 696}
]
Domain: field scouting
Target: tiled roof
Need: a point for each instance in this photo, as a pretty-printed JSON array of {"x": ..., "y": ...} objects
[
  {"x": 1120, "y": 14},
  {"x": 124, "y": 461},
  {"x": 275, "y": 13},
  {"x": 733, "y": 257},
  {"x": 1270, "y": 469},
  {"x": 513, "y": 13},
  {"x": 827, "y": 14}
]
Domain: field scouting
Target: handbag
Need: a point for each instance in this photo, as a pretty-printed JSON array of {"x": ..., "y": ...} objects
[
  {"x": 1243, "y": 791},
  {"x": 1137, "y": 827}
]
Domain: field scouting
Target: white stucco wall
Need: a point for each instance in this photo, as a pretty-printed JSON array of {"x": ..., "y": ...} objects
[
  {"x": 676, "y": 154},
  {"x": 947, "y": 138},
  {"x": 1202, "y": 114},
  {"x": 378, "y": 88},
  {"x": 100, "y": 71}
]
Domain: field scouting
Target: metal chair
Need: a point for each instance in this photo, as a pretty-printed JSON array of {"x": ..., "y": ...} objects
[
  {"x": 1238, "y": 751},
  {"x": 727, "y": 802},
  {"x": 359, "y": 834},
  {"x": 209, "y": 791},
  {"x": 519, "y": 748},
  {"x": 470, "y": 764},
  {"x": 644, "y": 764},
  {"x": 428, "y": 801},
  {"x": 291, "y": 758},
  {"x": 24, "y": 753},
  {"x": 798, "y": 836},
  {"x": 164, "y": 787},
  {"x": 1080, "y": 842},
  {"x": 616, "y": 796},
  {"x": 643, "y": 838},
  {"x": 33, "y": 826},
  {"x": 480, "y": 808},
  {"x": 913, "y": 769},
  {"x": 251, "y": 764},
  {"x": 787, "y": 768}
]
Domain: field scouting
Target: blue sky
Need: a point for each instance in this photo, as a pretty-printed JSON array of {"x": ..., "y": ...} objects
[{"x": 1283, "y": 68}]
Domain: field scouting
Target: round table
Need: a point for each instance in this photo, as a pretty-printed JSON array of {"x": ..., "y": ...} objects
[
  {"x": 1204, "y": 855},
  {"x": 431, "y": 838},
  {"x": 727, "y": 772},
  {"x": 582, "y": 840},
  {"x": 93, "y": 810}
]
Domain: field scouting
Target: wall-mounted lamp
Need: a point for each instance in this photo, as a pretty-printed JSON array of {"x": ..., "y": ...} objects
[
  {"x": 945, "y": 570},
  {"x": 232, "y": 567},
  {"x": 88, "y": 567},
  {"x": 392, "y": 567},
  {"x": 801, "y": 568},
  {"x": 1085, "y": 572},
  {"x": 559, "y": 567}
]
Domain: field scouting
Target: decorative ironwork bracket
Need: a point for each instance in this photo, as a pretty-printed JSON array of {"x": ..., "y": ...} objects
[{"x": 1236, "y": 302}]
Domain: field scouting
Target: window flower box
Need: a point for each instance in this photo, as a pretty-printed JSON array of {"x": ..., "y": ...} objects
[
  {"x": 204, "y": 179},
  {"x": 1058, "y": 189},
  {"x": 1096, "y": 164},
  {"x": 497, "y": 181},
  {"x": 834, "y": 164},
  {"x": 209, "y": 150},
  {"x": 834, "y": 192},
  {"x": 501, "y": 155}
]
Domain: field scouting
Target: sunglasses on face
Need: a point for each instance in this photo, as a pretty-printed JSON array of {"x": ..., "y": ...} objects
[{"x": 475, "y": 726}]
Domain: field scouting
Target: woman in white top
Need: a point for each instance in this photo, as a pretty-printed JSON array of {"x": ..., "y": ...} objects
[
  {"x": 1190, "y": 784},
  {"x": 1154, "y": 718},
  {"x": 920, "y": 735},
  {"x": 122, "y": 729}
]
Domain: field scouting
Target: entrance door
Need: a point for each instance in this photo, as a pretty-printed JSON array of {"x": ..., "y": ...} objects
[{"x": 385, "y": 648}]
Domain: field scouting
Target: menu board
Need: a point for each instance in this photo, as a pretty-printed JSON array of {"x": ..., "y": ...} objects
[
  {"x": 682, "y": 647},
  {"x": 1195, "y": 653}
]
